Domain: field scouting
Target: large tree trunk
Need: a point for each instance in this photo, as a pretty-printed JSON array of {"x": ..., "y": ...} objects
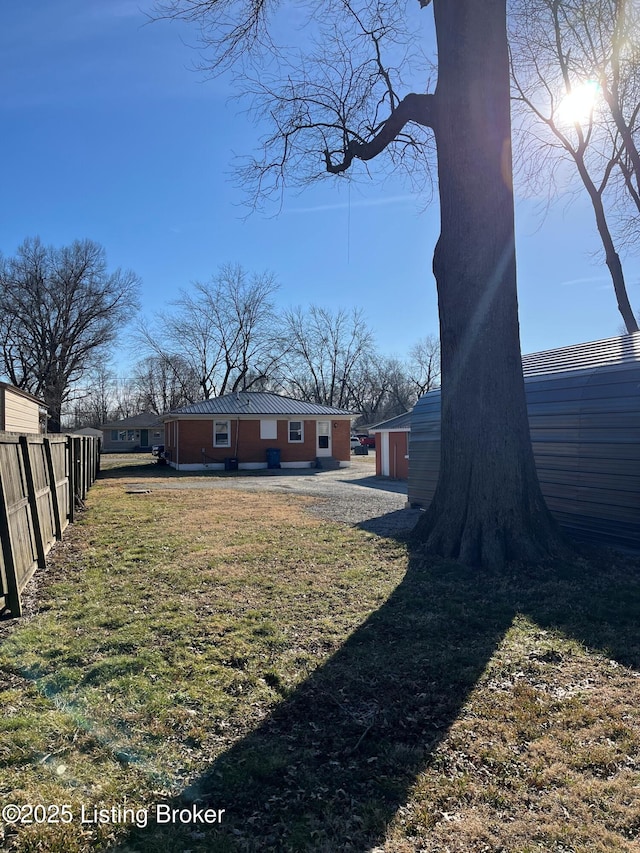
[{"x": 488, "y": 507}]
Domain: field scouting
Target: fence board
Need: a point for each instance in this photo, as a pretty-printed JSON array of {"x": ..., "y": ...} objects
[{"x": 38, "y": 477}]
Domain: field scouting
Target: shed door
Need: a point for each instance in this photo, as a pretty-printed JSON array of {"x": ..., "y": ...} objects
[{"x": 323, "y": 438}]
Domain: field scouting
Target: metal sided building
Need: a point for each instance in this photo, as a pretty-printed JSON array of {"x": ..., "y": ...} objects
[{"x": 584, "y": 415}]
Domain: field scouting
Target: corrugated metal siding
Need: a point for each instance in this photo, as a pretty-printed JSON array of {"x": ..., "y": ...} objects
[
  {"x": 402, "y": 421},
  {"x": 609, "y": 351},
  {"x": 257, "y": 403},
  {"x": 585, "y": 432},
  {"x": 424, "y": 449}
]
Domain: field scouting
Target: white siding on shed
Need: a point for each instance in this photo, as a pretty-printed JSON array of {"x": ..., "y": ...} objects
[{"x": 19, "y": 412}]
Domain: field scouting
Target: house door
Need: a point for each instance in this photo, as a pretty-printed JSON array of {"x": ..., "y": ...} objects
[
  {"x": 144, "y": 438},
  {"x": 323, "y": 438}
]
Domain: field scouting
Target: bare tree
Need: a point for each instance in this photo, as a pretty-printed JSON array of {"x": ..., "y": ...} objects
[
  {"x": 565, "y": 55},
  {"x": 325, "y": 351},
  {"x": 163, "y": 384},
  {"x": 92, "y": 402},
  {"x": 386, "y": 386},
  {"x": 347, "y": 104},
  {"x": 246, "y": 325},
  {"x": 183, "y": 341},
  {"x": 223, "y": 332},
  {"x": 424, "y": 365},
  {"x": 61, "y": 312},
  {"x": 126, "y": 400}
]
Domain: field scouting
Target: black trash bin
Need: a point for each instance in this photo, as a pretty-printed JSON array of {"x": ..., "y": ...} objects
[
  {"x": 273, "y": 457},
  {"x": 231, "y": 463}
]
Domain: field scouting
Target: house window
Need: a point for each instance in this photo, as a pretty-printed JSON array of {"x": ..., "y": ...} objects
[
  {"x": 221, "y": 434},
  {"x": 114, "y": 435},
  {"x": 122, "y": 435},
  {"x": 133, "y": 434},
  {"x": 296, "y": 432},
  {"x": 268, "y": 430}
]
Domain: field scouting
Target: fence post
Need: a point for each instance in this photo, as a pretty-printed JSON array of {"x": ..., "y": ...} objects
[
  {"x": 33, "y": 501},
  {"x": 13, "y": 601},
  {"x": 87, "y": 468},
  {"x": 70, "y": 480},
  {"x": 77, "y": 474},
  {"x": 57, "y": 517}
]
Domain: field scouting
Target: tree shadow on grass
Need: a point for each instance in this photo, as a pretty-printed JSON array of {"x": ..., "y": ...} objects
[
  {"x": 331, "y": 765},
  {"x": 142, "y": 468}
]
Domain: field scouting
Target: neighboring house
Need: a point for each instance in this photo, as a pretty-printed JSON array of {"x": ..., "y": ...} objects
[
  {"x": 255, "y": 429},
  {"x": 583, "y": 403},
  {"x": 91, "y": 431},
  {"x": 392, "y": 447},
  {"x": 21, "y": 412},
  {"x": 140, "y": 432}
]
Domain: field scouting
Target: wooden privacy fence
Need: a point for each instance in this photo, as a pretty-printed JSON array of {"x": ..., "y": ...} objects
[{"x": 42, "y": 480}]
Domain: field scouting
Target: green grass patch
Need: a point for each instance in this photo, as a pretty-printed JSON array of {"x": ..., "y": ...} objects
[{"x": 329, "y": 689}]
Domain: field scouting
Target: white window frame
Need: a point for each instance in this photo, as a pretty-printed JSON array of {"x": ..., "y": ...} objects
[
  {"x": 321, "y": 434},
  {"x": 268, "y": 429},
  {"x": 215, "y": 433},
  {"x": 301, "y": 431}
]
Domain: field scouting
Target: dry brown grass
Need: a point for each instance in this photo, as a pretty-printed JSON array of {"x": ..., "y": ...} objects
[{"x": 331, "y": 689}]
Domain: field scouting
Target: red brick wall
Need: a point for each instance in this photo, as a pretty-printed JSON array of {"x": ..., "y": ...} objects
[
  {"x": 247, "y": 446},
  {"x": 341, "y": 440}
]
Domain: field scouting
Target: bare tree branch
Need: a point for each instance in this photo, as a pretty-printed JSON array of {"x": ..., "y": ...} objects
[
  {"x": 61, "y": 311},
  {"x": 412, "y": 108}
]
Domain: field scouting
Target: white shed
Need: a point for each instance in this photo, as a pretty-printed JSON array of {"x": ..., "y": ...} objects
[{"x": 19, "y": 411}]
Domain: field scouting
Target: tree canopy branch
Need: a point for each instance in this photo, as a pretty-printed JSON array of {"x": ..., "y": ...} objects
[{"x": 412, "y": 108}]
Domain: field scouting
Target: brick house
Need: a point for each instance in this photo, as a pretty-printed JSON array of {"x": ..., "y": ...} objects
[{"x": 256, "y": 429}]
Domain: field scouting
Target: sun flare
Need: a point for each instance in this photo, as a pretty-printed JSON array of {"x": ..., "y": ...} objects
[{"x": 577, "y": 105}]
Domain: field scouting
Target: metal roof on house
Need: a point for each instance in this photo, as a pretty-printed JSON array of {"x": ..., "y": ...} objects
[
  {"x": 142, "y": 421},
  {"x": 605, "y": 353},
  {"x": 400, "y": 422},
  {"x": 259, "y": 403}
]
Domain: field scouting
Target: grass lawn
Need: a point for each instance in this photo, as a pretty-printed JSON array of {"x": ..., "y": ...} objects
[{"x": 330, "y": 690}]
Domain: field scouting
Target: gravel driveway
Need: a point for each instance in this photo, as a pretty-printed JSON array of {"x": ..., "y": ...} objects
[{"x": 351, "y": 495}]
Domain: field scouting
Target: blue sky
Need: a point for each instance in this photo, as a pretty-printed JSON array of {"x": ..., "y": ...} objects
[{"x": 108, "y": 133}]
